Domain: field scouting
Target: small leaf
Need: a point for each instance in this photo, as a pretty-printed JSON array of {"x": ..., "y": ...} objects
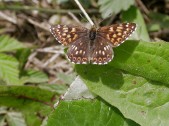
[
  {"x": 87, "y": 113},
  {"x": 108, "y": 7},
  {"x": 9, "y": 69},
  {"x": 8, "y": 44}
]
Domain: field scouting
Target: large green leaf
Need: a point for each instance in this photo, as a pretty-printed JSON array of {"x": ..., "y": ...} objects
[
  {"x": 9, "y": 69},
  {"x": 8, "y": 44},
  {"x": 144, "y": 100},
  {"x": 133, "y": 14},
  {"x": 149, "y": 60},
  {"x": 108, "y": 7},
  {"x": 87, "y": 113}
]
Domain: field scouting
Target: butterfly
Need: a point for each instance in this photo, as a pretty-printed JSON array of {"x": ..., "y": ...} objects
[{"x": 94, "y": 45}]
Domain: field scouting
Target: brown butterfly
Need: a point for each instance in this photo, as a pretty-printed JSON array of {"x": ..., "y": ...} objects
[{"x": 94, "y": 45}]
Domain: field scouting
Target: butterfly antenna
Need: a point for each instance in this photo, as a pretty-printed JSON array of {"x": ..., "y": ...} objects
[{"x": 105, "y": 19}]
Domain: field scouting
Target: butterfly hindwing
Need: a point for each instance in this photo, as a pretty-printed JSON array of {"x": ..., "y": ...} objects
[
  {"x": 78, "y": 52},
  {"x": 118, "y": 33},
  {"x": 102, "y": 51}
]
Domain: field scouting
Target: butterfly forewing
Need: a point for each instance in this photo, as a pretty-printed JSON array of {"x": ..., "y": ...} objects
[
  {"x": 66, "y": 34},
  {"x": 78, "y": 52},
  {"x": 118, "y": 33},
  {"x": 102, "y": 51}
]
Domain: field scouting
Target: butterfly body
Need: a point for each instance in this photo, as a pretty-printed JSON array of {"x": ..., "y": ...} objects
[
  {"x": 92, "y": 34},
  {"x": 94, "y": 45}
]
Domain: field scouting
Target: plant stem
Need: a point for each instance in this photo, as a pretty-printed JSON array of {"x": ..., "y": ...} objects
[
  {"x": 84, "y": 12},
  {"x": 46, "y": 10}
]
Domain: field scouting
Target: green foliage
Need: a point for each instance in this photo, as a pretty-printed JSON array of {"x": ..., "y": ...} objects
[
  {"x": 9, "y": 72},
  {"x": 9, "y": 69},
  {"x": 12, "y": 68},
  {"x": 108, "y": 7},
  {"x": 143, "y": 101},
  {"x": 87, "y": 113},
  {"x": 34, "y": 103},
  {"x": 8, "y": 44}
]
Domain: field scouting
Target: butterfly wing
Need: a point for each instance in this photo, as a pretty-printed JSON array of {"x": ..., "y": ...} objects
[
  {"x": 102, "y": 51},
  {"x": 67, "y": 34},
  {"x": 78, "y": 52},
  {"x": 118, "y": 33}
]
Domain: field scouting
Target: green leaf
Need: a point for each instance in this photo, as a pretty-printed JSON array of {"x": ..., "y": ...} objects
[
  {"x": 87, "y": 113},
  {"x": 32, "y": 76},
  {"x": 9, "y": 69},
  {"x": 33, "y": 102},
  {"x": 144, "y": 100},
  {"x": 134, "y": 15},
  {"x": 146, "y": 59},
  {"x": 8, "y": 44},
  {"x": 108, "y": 7}
]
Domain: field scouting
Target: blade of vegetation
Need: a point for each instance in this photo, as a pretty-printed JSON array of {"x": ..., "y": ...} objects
[
  {"x": 134, "y": 15},
  {"x": 8, "y": 44},
  {"x": 87, "y": 113},
  {"x": 9, "y": 72},
  {"x": 108, "y": 7},
  {"x": 143, "y": 101}
]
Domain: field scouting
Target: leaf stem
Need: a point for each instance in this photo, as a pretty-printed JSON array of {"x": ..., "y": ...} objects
[{"x": 84, "y": 12}]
